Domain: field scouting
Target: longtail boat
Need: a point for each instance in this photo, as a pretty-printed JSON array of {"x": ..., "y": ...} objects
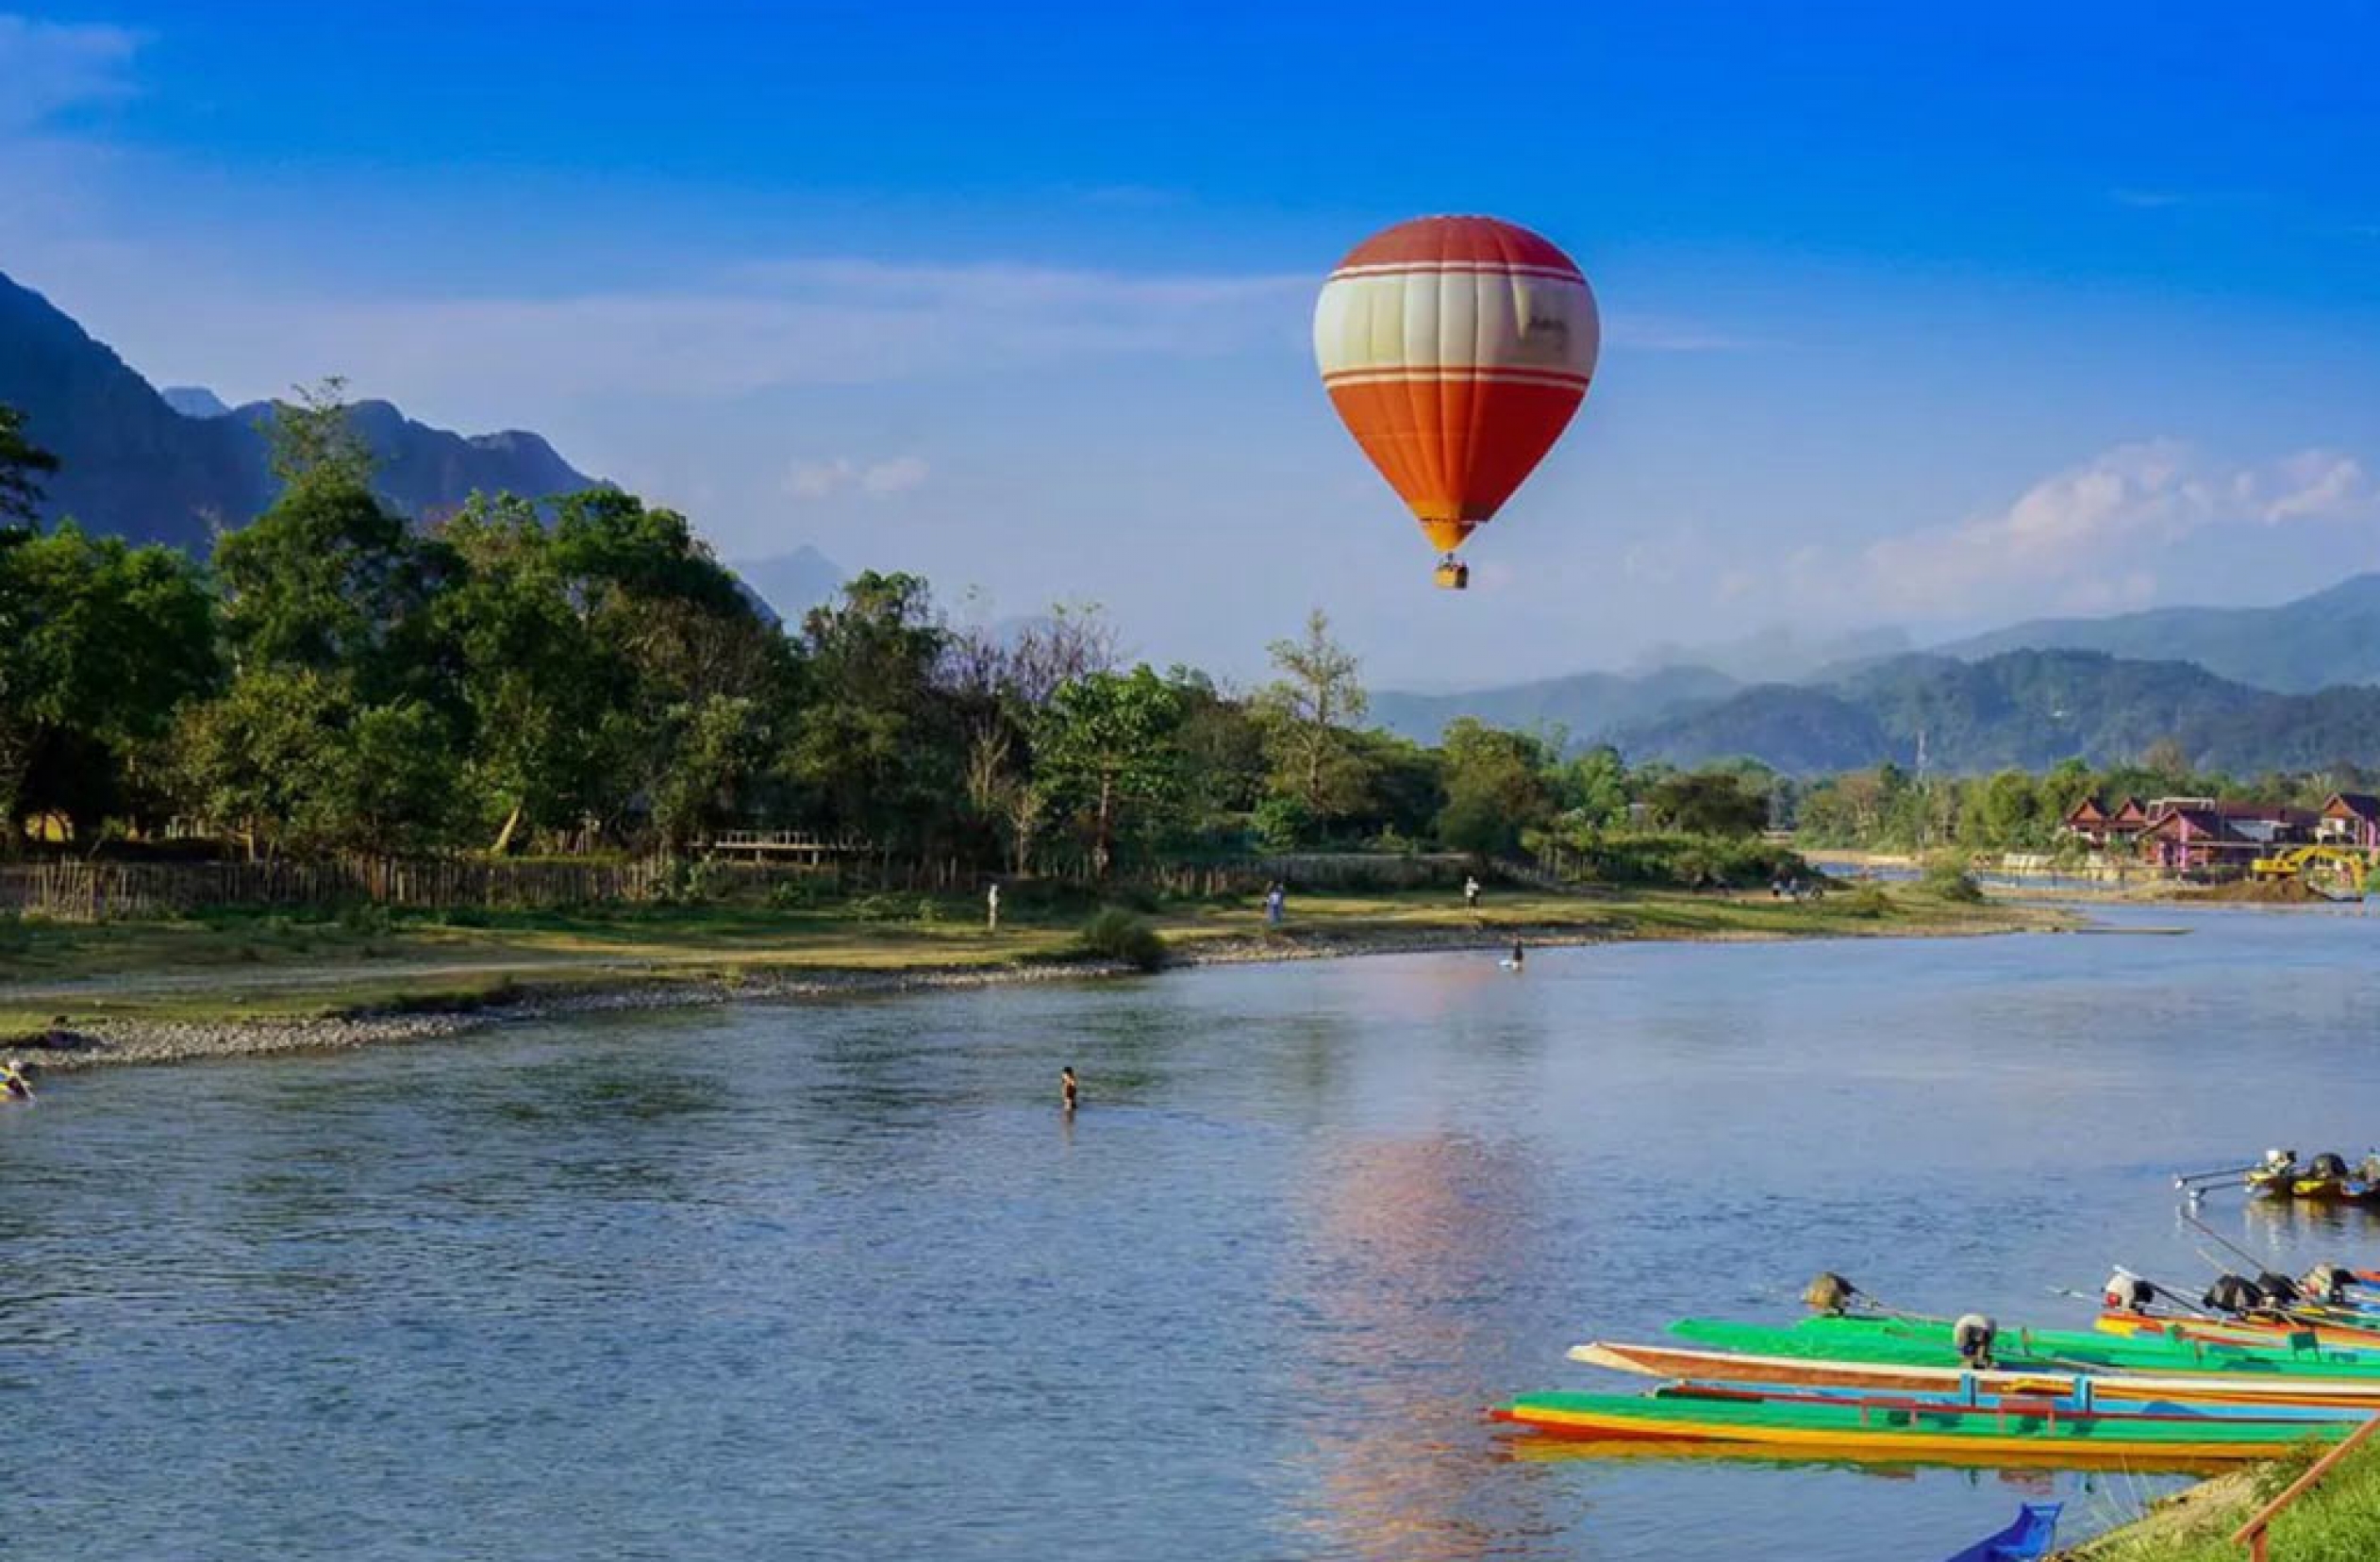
[
  {"x": 2240, "y": 1331},
  {"x": 1915, "y": 1430},
  {"x": 1929, "y": 1345},
  {"x": 1682, "y": 1361}
]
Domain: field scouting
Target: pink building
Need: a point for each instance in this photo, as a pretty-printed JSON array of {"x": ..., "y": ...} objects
[{"x": 2193, "y": 834}]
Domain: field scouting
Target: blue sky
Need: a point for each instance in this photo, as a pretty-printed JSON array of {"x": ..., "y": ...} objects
[{"x": 1913, "y": 317}]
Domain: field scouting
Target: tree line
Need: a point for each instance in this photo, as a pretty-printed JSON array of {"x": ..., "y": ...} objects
[
  {"x": 581, "y": 675},
  {"x": 1888, "y": 808}
]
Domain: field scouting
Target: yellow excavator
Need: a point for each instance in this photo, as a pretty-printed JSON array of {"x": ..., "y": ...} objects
[{"x": 2352, "y": 864}]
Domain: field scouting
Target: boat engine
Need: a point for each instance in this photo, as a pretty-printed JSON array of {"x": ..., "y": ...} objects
[
  {"x": 1974, "y": 1336},
  {"x": 2234, "y": 1294},
  {"x": 2127, "y": 1292},
  {"x": 2325, "y": 1283},
  {"x": 1829, "y": 1295}
]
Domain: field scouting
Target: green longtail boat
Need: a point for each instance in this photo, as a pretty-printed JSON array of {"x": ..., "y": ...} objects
[{"x": 1902, "y": 1343}]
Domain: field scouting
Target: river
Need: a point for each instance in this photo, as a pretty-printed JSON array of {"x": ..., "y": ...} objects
[{"x": 837, "y": 1279}]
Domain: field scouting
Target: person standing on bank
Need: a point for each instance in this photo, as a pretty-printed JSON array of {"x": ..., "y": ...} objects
[
  {"x": 992, "y": 908},
  {"x": 1471, "y": 894}
]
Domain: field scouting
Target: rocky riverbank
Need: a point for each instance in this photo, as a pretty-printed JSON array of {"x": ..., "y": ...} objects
[{"x": 71, "y": 1043}]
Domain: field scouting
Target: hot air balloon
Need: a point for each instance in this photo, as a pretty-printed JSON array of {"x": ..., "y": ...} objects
[{"x": 1456, "y": 350}]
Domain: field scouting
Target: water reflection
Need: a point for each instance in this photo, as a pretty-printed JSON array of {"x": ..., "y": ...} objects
[{"x": 1408, "y": 1244}]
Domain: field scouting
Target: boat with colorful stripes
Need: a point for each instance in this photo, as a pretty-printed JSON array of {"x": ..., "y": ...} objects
[
  {"x": 1914, "y": 1430},
  {"x": 1928, "y": 1344},
  {"x": 1803, "y": 1367}
]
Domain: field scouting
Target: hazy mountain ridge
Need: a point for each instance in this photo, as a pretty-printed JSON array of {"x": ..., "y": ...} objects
[
  {"x": 134, "y": 466},
  {"x": 2025, "y": 709},
  {"x": 2241, "y": 688},
  {"x": 1586, "y": 704},
  {"x": 2320, "y": 641}
]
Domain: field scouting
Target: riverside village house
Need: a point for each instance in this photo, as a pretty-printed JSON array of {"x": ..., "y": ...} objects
[{"x": 2198, "y": 834}]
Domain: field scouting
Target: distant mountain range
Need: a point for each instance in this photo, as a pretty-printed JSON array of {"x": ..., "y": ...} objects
[
  {"x": 167, "y": 468},
  {"x": 1585, "y": 706},
  {"x": 2240, "y": 689},
  {"x": 2029, "y": 709},
  {"x": 2314, "y": 642},
  {"x": 792, "y": 584}
]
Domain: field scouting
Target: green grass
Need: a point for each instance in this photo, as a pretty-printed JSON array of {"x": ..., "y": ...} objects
[
  {"x": 2337, "y": 1521},
  {"x": 234, "y": 965}
]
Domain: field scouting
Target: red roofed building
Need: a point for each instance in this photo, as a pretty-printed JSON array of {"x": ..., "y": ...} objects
[
  {"x": 2350, "y": 819},
  {"x": 2103, "y": 826},
  {"x": 2192, "y": 834}
]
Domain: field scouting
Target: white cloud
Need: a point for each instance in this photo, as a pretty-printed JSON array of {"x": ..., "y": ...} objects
[
  {"x": 46, "y": 67},
  {"x": 814, "y": 480},
  {"x": 898, "y": 475},
  {"x": 2093, "y": 536}
]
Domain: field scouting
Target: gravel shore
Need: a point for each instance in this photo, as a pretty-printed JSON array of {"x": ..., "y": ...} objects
[{"x": 96, "y": 1044}]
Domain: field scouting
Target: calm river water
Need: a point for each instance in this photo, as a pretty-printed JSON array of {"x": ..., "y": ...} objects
[{"x": 834, "y": 1280}]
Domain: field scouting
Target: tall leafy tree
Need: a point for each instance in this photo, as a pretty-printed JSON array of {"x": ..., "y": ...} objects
[
  {"x": 1309, "y": 711},
  {"x": 1497, "y": 786},
  {"x": 340, "y": 724},
  {"x": 699, "y": 658},
  {"x": 1106, "y": 750},
  {"x": 1711, "y": 803},
  {"x": 539, "y": 686},
  {"x": 103, "y": 641},
  {"x": 876, "y": 743}
]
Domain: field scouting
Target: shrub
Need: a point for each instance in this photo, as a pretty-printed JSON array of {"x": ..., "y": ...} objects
[
  {"x": 1863, "y": 900},
  {"x": 884, "y": 907},
  {"x": 364, "y": 916},
  {"x": 689, "y": 881},
  {"x": 1116, "y": 933},
  {"x": 1948, "y": 877},
  {"x": 1282, "y": 823},
  {"x": 1688, "y": 861},
  {"x": 800, "y": 894}
]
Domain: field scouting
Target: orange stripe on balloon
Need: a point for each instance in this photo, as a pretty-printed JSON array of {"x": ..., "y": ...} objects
[{"x": 1403, "y": 426}]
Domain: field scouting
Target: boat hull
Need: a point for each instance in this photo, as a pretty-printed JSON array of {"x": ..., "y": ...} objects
[
  {"x": 1676, "y": 1361},
  {"x": 1898, "y": 1429}
]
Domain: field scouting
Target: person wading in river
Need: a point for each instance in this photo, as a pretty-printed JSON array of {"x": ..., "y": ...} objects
[{"x": 1069, "y": 1093}]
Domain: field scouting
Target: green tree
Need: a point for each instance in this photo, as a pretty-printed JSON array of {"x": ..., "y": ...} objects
[
  {"x": 1592, "y": 787},
  {"x": 103, "y": 641},
  {"x": 312, "y": 438},
  {"x": 877, "y": 744},
  {"x": 540, "y": 687},
  {"x": 1106, "y": 748},
  {"x": 1307, "y": 713},
  {"x": 690, "y": 678},
  {"x": 22, "y": 465},
  {"x": 1711, "y": 803},
  {"x": 2006, "y": 813},
  {"x": 1496, "y": 788},
  {"x": 331, "y": 579}
]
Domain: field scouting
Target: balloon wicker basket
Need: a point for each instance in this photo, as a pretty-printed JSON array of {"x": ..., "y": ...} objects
[{"x": 1452, "y": 575}]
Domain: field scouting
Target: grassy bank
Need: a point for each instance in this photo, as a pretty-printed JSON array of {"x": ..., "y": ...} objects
[
  {"x": 235, "y": 967},
  {"x": 2337, "y": 1521}
]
